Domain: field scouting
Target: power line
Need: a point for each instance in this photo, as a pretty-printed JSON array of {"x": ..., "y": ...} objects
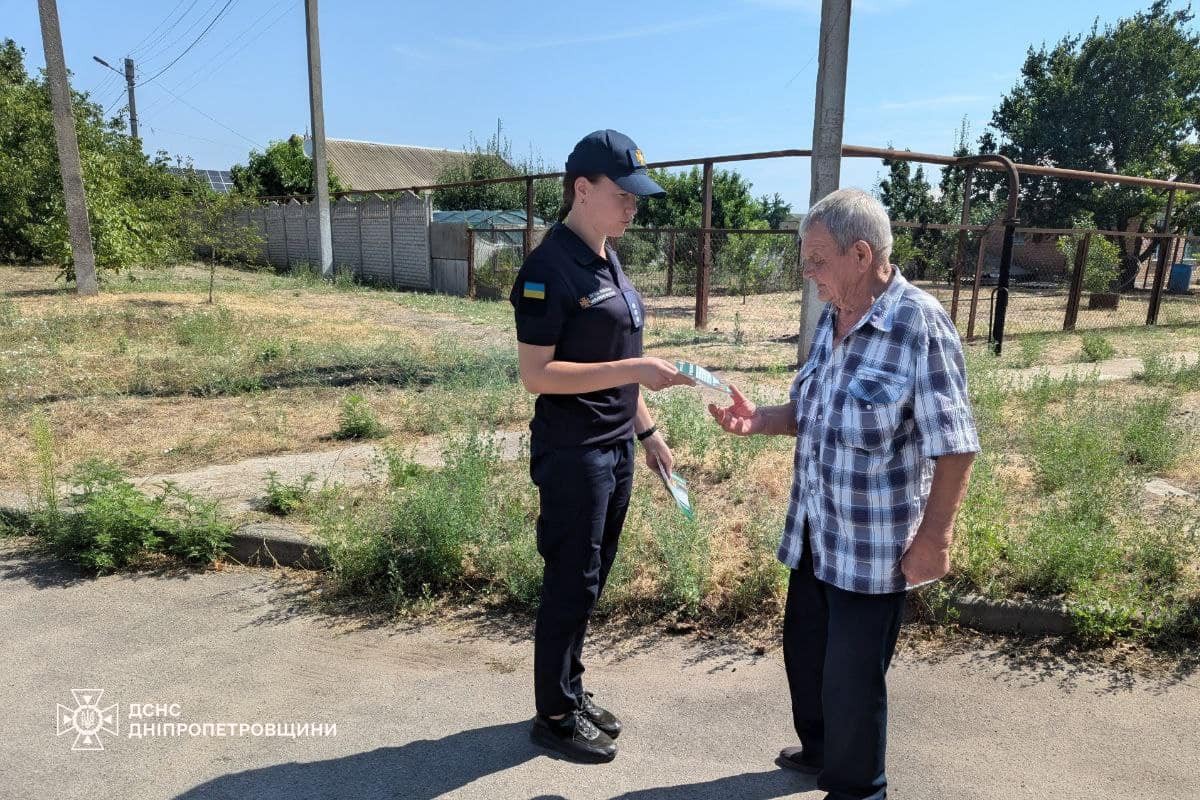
[
  {"x": 142, "y": 43},
  {"x": 209, "y": 69},
  {"x": 116, "y": 99},
  {"x": 208, "y": 116},
  {"x": 165, "y": 46},
  {"x": 836, "y": 20},
  {"x": 157, "y": 131},
  {"x": 216, "y": 19}
]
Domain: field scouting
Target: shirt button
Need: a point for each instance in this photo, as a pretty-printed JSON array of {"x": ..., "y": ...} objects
[{"x": 869, "y": 406}]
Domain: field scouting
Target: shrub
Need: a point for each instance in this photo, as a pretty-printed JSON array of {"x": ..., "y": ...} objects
[
  {"x": 1097, "y": 348},
  {"x": 284, "y": 498},
  {"x": 357, "y": 420}
]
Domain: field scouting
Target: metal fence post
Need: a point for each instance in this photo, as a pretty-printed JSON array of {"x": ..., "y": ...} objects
[
  {"x": 703, "y": 275},
  {"x": 1160, "y": 272},
  {"x": 1081, "y": 254},
  {"x": 962, "y": 244},
  {"x": 671, "y": 263},
  {"x": 975, "y": 288},
  {"x": 996, "y": 336}
]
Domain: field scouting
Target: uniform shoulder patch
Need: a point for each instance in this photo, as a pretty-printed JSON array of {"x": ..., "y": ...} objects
[{"x": 532, "y": 290}]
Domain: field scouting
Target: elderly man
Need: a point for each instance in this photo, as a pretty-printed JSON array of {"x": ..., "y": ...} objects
[{"x": 884, "y": 445}]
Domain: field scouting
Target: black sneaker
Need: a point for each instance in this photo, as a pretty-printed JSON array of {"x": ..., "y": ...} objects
[
  {"x": 604, "y": 720},
  {"x": 575, "y": 737},
  {"x": 793, "y": 758}
]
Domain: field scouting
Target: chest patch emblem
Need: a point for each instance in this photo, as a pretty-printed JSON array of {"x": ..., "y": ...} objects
[{"x": 598, "y": 296}]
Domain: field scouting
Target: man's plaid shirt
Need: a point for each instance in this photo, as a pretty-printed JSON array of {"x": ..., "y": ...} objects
[{"x": 871, "y": 416}]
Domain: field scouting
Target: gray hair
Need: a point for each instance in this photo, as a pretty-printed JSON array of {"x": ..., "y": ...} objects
[{"x": 852, "y": 215}]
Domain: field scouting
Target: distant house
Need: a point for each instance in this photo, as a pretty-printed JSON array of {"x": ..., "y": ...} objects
[
  {"x": 792, "y": 222},
  {"x": 372, "y": 166}
]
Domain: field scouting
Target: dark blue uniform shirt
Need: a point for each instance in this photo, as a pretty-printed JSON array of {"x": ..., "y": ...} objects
[{"x": 568, "y": 297}]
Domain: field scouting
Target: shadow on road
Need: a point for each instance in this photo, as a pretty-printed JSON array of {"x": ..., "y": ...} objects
[{"x": 429, "y": 768}]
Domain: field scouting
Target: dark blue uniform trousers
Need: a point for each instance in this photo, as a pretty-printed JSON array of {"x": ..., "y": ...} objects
[
  {"x": 837, "y": 646},
  {"x": 584, "y": 496}
]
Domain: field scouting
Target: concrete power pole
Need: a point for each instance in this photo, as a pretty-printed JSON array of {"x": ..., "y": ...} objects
[
  {"x": 68, "y": 151},
  {"x": 132, "y": 104},
  {"x": 827, "y": 137},
  {"x": 316, "y": 105}
]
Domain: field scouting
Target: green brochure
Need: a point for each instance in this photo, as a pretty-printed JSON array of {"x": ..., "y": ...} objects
[
  {"x": 702, "y": 376},
  {"x": 677, "y": 486}
]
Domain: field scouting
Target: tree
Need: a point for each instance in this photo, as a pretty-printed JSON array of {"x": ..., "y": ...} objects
[
  {"x": 134, "y": 203},
  {"x": 1122, "y": 98},
  {"x": 733, "y": 206},
  {"x": 775, "y": 211},
  {"x": 494, "y": 159},
  {"x": 282, "y": 169},
  {"x": 212, "y": 226}
]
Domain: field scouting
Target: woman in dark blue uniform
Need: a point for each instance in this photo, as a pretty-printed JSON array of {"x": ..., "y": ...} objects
[{"x": 579, "y": 332}]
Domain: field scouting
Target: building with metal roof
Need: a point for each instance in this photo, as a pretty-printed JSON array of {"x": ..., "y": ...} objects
[{"x": 373, "y": 166}]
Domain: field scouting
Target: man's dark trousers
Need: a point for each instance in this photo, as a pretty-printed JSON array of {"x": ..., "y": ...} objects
[
  {"x": 584, "y": 496},
  {"x": 837, "y": 646}
]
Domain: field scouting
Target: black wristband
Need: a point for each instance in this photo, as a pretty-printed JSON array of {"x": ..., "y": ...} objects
[{"x": 646, "y": 434}]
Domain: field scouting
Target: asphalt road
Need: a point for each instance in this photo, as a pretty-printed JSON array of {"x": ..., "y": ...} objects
[{"x": 441, "y": 709}]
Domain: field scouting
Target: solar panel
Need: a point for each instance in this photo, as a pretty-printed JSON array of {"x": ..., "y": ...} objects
[{"x": 220, "y": 180}]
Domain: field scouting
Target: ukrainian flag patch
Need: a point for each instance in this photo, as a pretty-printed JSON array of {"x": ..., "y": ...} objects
[{"x": 534, "y": 291}]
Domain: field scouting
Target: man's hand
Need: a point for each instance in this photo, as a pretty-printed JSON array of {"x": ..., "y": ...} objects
[
  {"x": 657, "y": 453},
  {"x": 927, "y": 559},
  {"x": 741, "y": 418}
]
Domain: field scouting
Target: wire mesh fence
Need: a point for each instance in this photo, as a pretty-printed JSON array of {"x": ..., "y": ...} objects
[{"x": 1059, "y": 279}]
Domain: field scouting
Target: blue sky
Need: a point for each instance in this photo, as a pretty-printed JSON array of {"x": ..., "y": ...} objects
[{"x": 685, "y": 78}]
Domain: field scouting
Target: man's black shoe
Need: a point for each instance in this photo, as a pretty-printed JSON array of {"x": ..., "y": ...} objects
[
  {"x": 793, "y": 758},
  {"x": 575, "y": 737},
  {"x": 604, "y": 720}
]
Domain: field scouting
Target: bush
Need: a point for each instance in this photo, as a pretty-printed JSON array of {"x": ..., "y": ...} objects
[
  {"x": 1097, "y": 348},
  {"x": 1149, "y": 442},
  {"x": 435, "y": 529},
  {"x": 357, "y": 420},
  {"x": 1103, "y": 262},
  {"x": 1031, "y": 348},
  {"x": 111, "y": 525},
  {"x": 1157, "y": 370},
  {"x": 285, "y": 498}
]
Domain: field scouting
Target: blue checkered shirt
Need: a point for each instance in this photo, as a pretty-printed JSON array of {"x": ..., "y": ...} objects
[{"x": 871, "y": 417}]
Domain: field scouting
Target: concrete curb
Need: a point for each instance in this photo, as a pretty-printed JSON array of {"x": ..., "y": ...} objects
[
  {"x": 276, "y": 544},
  {"x": 1029, "y": 617},
  {"x": 283, "y": 544}
]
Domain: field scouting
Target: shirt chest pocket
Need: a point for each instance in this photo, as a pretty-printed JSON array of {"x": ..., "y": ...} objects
[{"x": 873, "y": 408}]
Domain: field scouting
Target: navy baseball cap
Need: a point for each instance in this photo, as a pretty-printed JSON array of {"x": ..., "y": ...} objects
[{"x": 614, "y": 154}]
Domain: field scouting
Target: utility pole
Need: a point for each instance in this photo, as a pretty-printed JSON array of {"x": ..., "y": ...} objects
[
  {"x": 316, "y": 106},
  {"x": 827, "y": 138},
  {"x": 129, "y": 85},
  {"x": 132, "y": 103},
  {"x": 69, "y": 166}
]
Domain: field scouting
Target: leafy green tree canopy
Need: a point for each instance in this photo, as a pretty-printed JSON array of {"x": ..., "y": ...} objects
[
  {"x": 134, "y": 203},
  {"x": 282, "y": 169}
]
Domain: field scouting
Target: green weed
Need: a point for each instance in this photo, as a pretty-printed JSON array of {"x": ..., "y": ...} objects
[{"x": 357, "y": 420}]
